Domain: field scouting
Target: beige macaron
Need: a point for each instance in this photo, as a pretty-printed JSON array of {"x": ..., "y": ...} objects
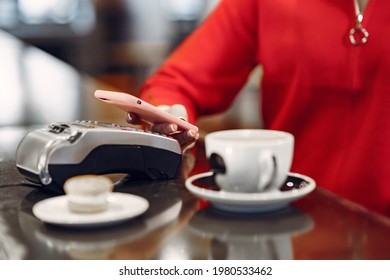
[{"x": 88, "y": 193}]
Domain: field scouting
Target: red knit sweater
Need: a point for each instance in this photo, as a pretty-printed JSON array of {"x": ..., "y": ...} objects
[{"x": 333, "y": 96}]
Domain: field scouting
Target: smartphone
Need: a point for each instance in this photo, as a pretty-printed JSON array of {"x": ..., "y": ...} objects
[{"x": 145, "y": 111}]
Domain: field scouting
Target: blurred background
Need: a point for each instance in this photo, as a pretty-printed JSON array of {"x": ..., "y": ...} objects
[{"x": 106, "y": 44}]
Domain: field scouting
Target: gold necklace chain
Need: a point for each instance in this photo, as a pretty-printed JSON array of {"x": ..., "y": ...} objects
[{"x": 358, "y": 35}]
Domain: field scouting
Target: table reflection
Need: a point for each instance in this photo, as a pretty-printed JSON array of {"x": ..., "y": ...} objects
[
  {"x": 250, "y": 236},
  {"x": 54, "y": 242}
]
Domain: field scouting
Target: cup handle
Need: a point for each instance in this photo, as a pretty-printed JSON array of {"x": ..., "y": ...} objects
[
  {"x": 267, "y": 170},
  {"x": 217, "y": 163}
]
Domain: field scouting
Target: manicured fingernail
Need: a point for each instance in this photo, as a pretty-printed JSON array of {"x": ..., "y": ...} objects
[
  {"x": 191, "y": 133},
  {"x": 172, "y": 128},
  {"x": 128, "y": 117}
]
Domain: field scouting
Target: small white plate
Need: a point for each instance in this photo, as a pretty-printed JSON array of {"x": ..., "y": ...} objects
[
  {"x": 250, "y": 202},
  {"x": 121, "y": 207}
]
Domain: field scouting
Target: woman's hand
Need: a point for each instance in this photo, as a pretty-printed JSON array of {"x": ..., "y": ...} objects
[{"x": 185, "y": 138}]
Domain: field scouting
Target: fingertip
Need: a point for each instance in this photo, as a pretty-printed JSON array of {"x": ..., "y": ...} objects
[
  {"x": 165, "y": 128},
  {"x": 128, "y": 117},
  {"x": 191, "y": 134},
  {"x": 172, "y": 128}
]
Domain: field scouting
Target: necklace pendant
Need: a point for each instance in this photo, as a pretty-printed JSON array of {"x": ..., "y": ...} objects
[{"x": 358, "y": 35}]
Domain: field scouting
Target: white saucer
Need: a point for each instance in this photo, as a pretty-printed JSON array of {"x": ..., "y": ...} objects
[
  {"x": 251, "y": 202},
  {"x": 121, "y": 207}
]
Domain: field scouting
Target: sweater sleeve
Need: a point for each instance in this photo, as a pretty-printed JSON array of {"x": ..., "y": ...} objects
[{"x": 208, "y": 69}]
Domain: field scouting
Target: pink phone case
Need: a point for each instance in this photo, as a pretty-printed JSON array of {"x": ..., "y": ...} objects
[{"x": 144, "y": 110}]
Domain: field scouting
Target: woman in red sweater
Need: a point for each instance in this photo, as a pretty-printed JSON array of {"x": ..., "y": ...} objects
[{"x": 326, "y": 80}]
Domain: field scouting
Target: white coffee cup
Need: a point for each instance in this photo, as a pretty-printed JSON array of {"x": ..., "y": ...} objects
[{"x": 250, "y": 160}]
